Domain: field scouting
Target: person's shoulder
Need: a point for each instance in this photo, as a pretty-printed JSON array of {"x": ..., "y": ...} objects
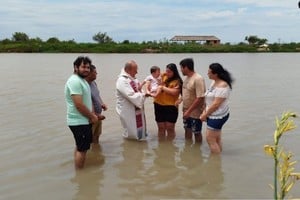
[
  {"x": 176, "y": 82},
  {"x": 149, "y": 78},
  {"x": 122, "y": 77},
  {"x": 198, "y": 76},
  {"x": 223, "y": 84},
  {"x": 76, "y": 82},
  {"x": 93, "y": 84},
  {"x": 73, "y": 78}
]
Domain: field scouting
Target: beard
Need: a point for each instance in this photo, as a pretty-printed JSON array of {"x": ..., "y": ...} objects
[{"x": 82, "y": 75}]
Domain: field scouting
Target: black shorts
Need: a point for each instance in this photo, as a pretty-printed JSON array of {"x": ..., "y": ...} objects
[
  {"x": 83, "y": 136},
  {"x": 165, "y": 113}
]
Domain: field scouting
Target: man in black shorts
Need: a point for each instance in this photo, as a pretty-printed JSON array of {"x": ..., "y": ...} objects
[{"x": 79, "y": 109}]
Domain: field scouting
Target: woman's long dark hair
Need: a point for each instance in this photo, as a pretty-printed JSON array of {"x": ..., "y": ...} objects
[
  {"x": 176, "y": 76},
  {"x": 222, "y": 73}
]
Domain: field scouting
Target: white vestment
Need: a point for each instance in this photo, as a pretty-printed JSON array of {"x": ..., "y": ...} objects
[{"x": 130, "y": 107}]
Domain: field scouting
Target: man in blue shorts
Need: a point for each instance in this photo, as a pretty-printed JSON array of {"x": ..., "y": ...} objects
[
  {"x": 79, "y": 109},
  {"x": 193, "y": 93}
]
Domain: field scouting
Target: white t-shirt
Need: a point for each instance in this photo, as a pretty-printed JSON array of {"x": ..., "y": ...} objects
[
  {"x": 222, "y": 92},
  {"x": 154, "y": 82}
]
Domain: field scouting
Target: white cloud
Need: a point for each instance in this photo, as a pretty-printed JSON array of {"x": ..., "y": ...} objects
[
  {"x": 266, "y": 3},
  {"x": 147, "y": 20}
]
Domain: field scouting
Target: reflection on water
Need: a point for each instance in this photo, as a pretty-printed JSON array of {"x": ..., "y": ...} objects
[
  {"x": 88, "y": 182},
  {"x": 214, "y": 178},
  {"x": 167, "y": 169},
  {"x": 163, "y": 174},
  {"x": 132, "y": 169}
]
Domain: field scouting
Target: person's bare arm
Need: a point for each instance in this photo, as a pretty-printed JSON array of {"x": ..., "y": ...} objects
[
  {"x": 172, "y": 91},
  {"x": 77, "y": 99},
  {"x": 196, "y": 103},
  {"x": 103, "y": 105},
  {"x": 148, "y": 87},
  {"x": 212, "y": 108}
]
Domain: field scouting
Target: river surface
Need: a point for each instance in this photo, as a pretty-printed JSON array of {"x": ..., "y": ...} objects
[{"x": 36, "y": 149}]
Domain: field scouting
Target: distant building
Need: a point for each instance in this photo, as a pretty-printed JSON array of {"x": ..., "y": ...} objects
[
  {"x": 210, "y": 40},
  {"x": 263, "y": 47}
]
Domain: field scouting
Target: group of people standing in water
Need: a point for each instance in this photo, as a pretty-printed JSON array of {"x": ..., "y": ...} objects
[{"x": 168, "y": 90}]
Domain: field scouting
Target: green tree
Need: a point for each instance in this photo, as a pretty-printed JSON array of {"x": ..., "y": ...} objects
[
  {"x": 253, "y": 39},
  {"x": 37, "y": 39},
  {"x": 20, "y": 37},
  {"x": 102, "y": 38},
  {"x": 53, "y": 40},
  {"x": 6, "y": 41},
  {"x": 126, "y": 42},
  {"x": 262, "y": 41}
]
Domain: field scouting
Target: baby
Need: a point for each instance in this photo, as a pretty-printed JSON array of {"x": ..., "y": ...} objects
[{"x": 152, "y": 81}]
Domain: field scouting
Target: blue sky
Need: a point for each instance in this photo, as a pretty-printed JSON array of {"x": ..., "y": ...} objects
[{"x": 149, "y": 20}]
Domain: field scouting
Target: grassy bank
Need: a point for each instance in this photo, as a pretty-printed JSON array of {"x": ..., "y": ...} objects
[{"x": 36, "y": 46}]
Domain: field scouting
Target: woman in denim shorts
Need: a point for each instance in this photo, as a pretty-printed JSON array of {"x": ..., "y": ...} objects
[{"x": 216, "y": 112}]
